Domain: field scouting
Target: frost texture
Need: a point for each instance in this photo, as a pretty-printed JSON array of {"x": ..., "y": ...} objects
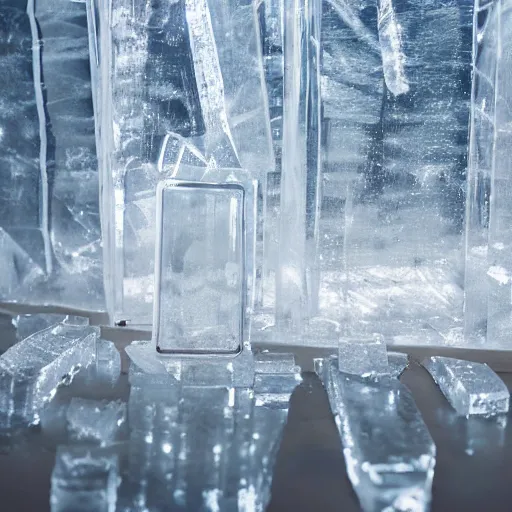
[
  {"x": 50, "y": 234},
  {"x": 488, "y": 265},
  {"x": 182, "y": 96},
  {"x": 471, "y": 388},
  {"x": 389, "y": 454},
  {"x": 33, "y": 369}
]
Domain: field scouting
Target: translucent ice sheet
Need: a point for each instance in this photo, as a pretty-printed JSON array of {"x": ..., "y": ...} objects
[
  {"x": 50, "y": 236},
  {"x": 182, "y": 95}
]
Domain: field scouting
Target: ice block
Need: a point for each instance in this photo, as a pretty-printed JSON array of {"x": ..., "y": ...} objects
[
  {"x": 364, "y": 357},
  {"x": 389, "y": 454},
  {"x": 488, "y": 266},
  {"x": 183, "y": 94},
  {"x": 95, "y": 421},
  {"x": 398, "y": 363},
  {"x": 50, "y": 233},
  {"x": 32, "y": 370},
  {"x": 471, "y": 388},
  {"x": 84, "y": 479}
]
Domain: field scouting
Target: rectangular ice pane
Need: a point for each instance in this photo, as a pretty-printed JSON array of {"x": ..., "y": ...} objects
[
  {"x": 31, "y": 370},
  {"x": 388, "y": 450},
  {"x": 199, "y": 277},
  {"x": 471, "y": 388},
  {"x": 205, "y": 56},
  {"x": 95, "y": 421},
  {"x": 84, "y": 479},
  {"x": 363, "y": 357}
]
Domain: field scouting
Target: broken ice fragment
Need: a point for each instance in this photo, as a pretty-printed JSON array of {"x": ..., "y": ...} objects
[
  {"x": 95, "y": 421},
  {"x": 363, "y": 357},
  {"x": 270, "y": 362},
  {"x": 84, "y": 479},
  {"x": 199, "y": 275},
  {"x": 30, "y": 324},
  {"x": 471, "y": 388},
  {"x": 388, "y": 450},
  {"x": 398, "y": 362},
  {"x": 31, "y": 370}
]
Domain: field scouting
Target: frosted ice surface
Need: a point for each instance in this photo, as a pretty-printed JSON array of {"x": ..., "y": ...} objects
[
  {"x": 471, "y": 388},
  {"x": 96, "y": 421},
  {"x": 388, "y": 450},
  {"x": 49, "y": 205},
  {"x": 31, "y": 370},
  {"x": 398, "y": 362},
  {"x": 84, "y": 479},
  {"x": 205, "y": 57},
  {"x": 363, "y": 357},
  {"x": 30, "y": 324},
  {"x": 106, "y": 366},
  {"x": 273, "y": 362}
]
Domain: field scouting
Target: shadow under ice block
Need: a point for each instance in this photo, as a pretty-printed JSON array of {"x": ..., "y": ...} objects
[
  {"x": 50, "y": 233},
  {"x": 182, "y": 95}
]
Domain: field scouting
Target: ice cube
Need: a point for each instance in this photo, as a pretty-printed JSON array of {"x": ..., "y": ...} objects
[
  {"x": 96, "y": 421},
  {"x": 32, "y": 370},
  {"x": 84, "y": 479},
  {"x": 471, "y": 388}
]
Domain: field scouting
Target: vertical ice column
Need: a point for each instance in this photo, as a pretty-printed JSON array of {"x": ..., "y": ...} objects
[
  {"x": 297, "y": 278},
  {"x": 488, "y": 279}
]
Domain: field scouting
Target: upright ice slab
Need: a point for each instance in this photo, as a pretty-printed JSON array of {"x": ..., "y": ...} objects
[
  {"x": 182, "y": 92},
  {"x": 84, "y": 479},
  {"x": 488, "y": 266},
  {"x": 389, "y": 454},
  {"x": 471, "y": 388},
  {"x": 200, "y": 274},
  {"x": 31, "y": 370},
  {"x": 50, "y": 236}
]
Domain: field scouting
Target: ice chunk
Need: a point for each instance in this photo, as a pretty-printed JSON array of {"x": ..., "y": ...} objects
[
  {"x": 50, "y": 235},
  {"x": 32, "y": 323},
  {"x": 96, "y": 421},
  {"x": 31, "y": 370},
  {"x": 471, "y": 388},
  {"x": 388, "y": 450},
  {"x": 84, "y": 479},
  {"x": 107, "y": 364},
  {"x": 272, "y": 362},
  {"x": 363, "y": 357},
  {"x": 397, "y": 362}
]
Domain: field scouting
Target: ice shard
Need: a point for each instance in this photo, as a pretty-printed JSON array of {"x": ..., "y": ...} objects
[
  {"x": 389, "y": 454},
  {"x": 471, "y": 388},
  {"x": 182, "y": 95},
  {"x": 84, "y": 479},
  {"x": 50, "y": 233},
  {"x": 33, "y": 369},
  {"x": 488, "y": 266},
  {"x": 398, "y": 363},
  {"x": 95, "y": 421}
]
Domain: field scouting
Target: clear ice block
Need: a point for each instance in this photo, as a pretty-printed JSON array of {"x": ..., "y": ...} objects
[
  {"x": 32, "y": 370},
  {"x": 488, "y": 266},
  {"x": 27, "y": 325},
  {"x": 95, "y": 421},
  {"x": 389, "y": 454},
  {"x": 184, "y": 74},
  {"x": 471, "y": 388},
  {"x": 50, "y": 232},
  {"x": 363, "y": 357},
  {"x": 84, "y": 479},
  {"x": 200, "y": 277}
]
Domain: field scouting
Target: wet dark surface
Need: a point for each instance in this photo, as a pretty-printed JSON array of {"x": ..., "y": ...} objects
[{"x": 473, "y": 470}]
